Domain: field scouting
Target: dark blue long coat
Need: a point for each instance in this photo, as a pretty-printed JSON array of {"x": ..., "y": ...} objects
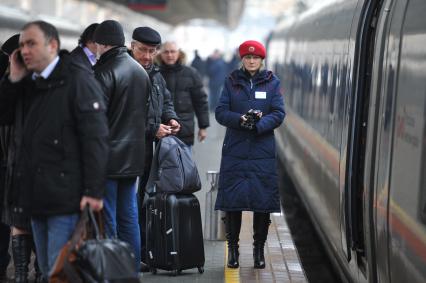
[{"x": 248, "y": 174}]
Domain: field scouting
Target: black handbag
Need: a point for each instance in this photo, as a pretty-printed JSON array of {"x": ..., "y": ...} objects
[
  {"x": 90, "y": 257},
  {"x": 105, "y": 260}
]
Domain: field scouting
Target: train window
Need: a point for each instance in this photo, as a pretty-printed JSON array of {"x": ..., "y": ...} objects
[
  {"x": 324, "y": 79},
  {"x": 332, "y": 89}
]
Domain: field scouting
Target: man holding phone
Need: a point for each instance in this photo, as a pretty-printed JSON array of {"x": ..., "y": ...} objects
[
  {"x": 162, "y": 119},
  {"x": 12, "y": 219},
  {"x": 60, "y": 138}
]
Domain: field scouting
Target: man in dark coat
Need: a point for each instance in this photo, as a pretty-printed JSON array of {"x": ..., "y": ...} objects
[
  {"x": 186, "y": 87},
  {"x": 199, "y": 64},
  {"x": 162, "y": 119},
  {"x": 216, "y": 70},
  {"x": 234, "y": 63},
  {"x": 11, "y": 226},
  {"x": 126, "y": 87},
  {"x": 60, "y": 138},
  {"x": 85, "y": 52}
]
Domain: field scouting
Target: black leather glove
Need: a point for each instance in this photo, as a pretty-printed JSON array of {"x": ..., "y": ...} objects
[{"x": 251, "y": 118}]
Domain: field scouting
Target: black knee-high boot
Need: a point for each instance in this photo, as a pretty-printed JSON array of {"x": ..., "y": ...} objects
[
  {"x": 261, "y": 223},
  {"x": 233, "y": 226},
  {"x": 21, "y": 250}
]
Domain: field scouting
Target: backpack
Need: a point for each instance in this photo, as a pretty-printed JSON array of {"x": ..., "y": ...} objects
[{"x": 173, "y": 169}]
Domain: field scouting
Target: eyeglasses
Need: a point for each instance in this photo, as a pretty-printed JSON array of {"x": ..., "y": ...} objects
[
  {"x": 170, "y": 51},
  {"x": 150, "y": 51}
]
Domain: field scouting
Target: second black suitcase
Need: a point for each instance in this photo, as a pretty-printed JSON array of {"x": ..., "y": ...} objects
[{"x": 174, "y": 238}]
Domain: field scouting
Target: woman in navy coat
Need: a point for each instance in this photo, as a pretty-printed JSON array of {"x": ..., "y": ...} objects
[{"x": 248, "y": 177}]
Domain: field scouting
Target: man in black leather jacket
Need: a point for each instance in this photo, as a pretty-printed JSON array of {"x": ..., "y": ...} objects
[
  {"x": 186, "y": 87},
  {"x": 162, "y": 119},
  {"x": 126, "y": 88}
]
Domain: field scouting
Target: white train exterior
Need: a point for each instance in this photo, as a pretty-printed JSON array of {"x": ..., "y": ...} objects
[{"x": 354, "y": 141}]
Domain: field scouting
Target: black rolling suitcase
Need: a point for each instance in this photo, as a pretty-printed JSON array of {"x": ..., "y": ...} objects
[{"x": 174, "y": 237}]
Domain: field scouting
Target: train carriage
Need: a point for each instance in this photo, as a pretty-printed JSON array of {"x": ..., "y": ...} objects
[{"x": 354, "y": 79}]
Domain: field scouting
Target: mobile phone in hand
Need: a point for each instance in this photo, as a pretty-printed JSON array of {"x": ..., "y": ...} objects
[{"x": 20, "y": 58}]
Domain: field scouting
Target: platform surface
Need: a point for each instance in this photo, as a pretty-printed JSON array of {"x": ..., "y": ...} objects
[{"x": 282, "y": 261}]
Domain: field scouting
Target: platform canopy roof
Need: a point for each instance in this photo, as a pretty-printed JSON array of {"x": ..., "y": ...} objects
[{"x": 174, "y": 12}]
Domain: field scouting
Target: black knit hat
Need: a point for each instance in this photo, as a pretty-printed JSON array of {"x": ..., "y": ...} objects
[
  {"x": 109, "y": 32},
  {"x": 11, "y": 44},
  {"x": 147, "y": 35}
]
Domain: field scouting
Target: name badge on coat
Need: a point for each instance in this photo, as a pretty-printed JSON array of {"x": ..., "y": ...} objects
[{"x": 260, "y": 95}]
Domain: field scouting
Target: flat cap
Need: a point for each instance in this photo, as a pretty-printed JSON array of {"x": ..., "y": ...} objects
[
  {"x": 147, "y": 35},
  {"x": 11, "y": 44}
]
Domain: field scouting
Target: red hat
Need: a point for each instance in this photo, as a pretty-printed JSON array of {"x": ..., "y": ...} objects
[{"x": 252, "y": 47}]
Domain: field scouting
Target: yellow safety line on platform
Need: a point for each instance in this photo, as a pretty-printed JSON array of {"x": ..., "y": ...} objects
[{"x": 232, "y": 275}]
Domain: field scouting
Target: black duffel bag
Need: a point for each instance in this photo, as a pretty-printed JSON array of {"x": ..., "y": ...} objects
[
  {"x": 90, "y": 257},
  {"x": 173, "y": 169}
]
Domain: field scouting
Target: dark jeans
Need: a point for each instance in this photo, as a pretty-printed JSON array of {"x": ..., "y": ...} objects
[
  {"x": 50, "y": 235},
  {"x": 121, "y": 213}
]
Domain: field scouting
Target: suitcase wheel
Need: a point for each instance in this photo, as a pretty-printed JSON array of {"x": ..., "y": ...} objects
[
  {"x": 201, "y": 269},
  {"x": 154, "y": 271}
]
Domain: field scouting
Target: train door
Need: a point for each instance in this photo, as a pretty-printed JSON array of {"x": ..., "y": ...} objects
[
  {"x": 397, "y": 180},
  {"x": 356, "y": 165},
  {"x": 378, "y": 151},
  {"x": 407, "y": 230}
]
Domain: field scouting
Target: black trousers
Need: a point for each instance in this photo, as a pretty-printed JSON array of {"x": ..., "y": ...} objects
[{"x": 4, "y": 229}]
